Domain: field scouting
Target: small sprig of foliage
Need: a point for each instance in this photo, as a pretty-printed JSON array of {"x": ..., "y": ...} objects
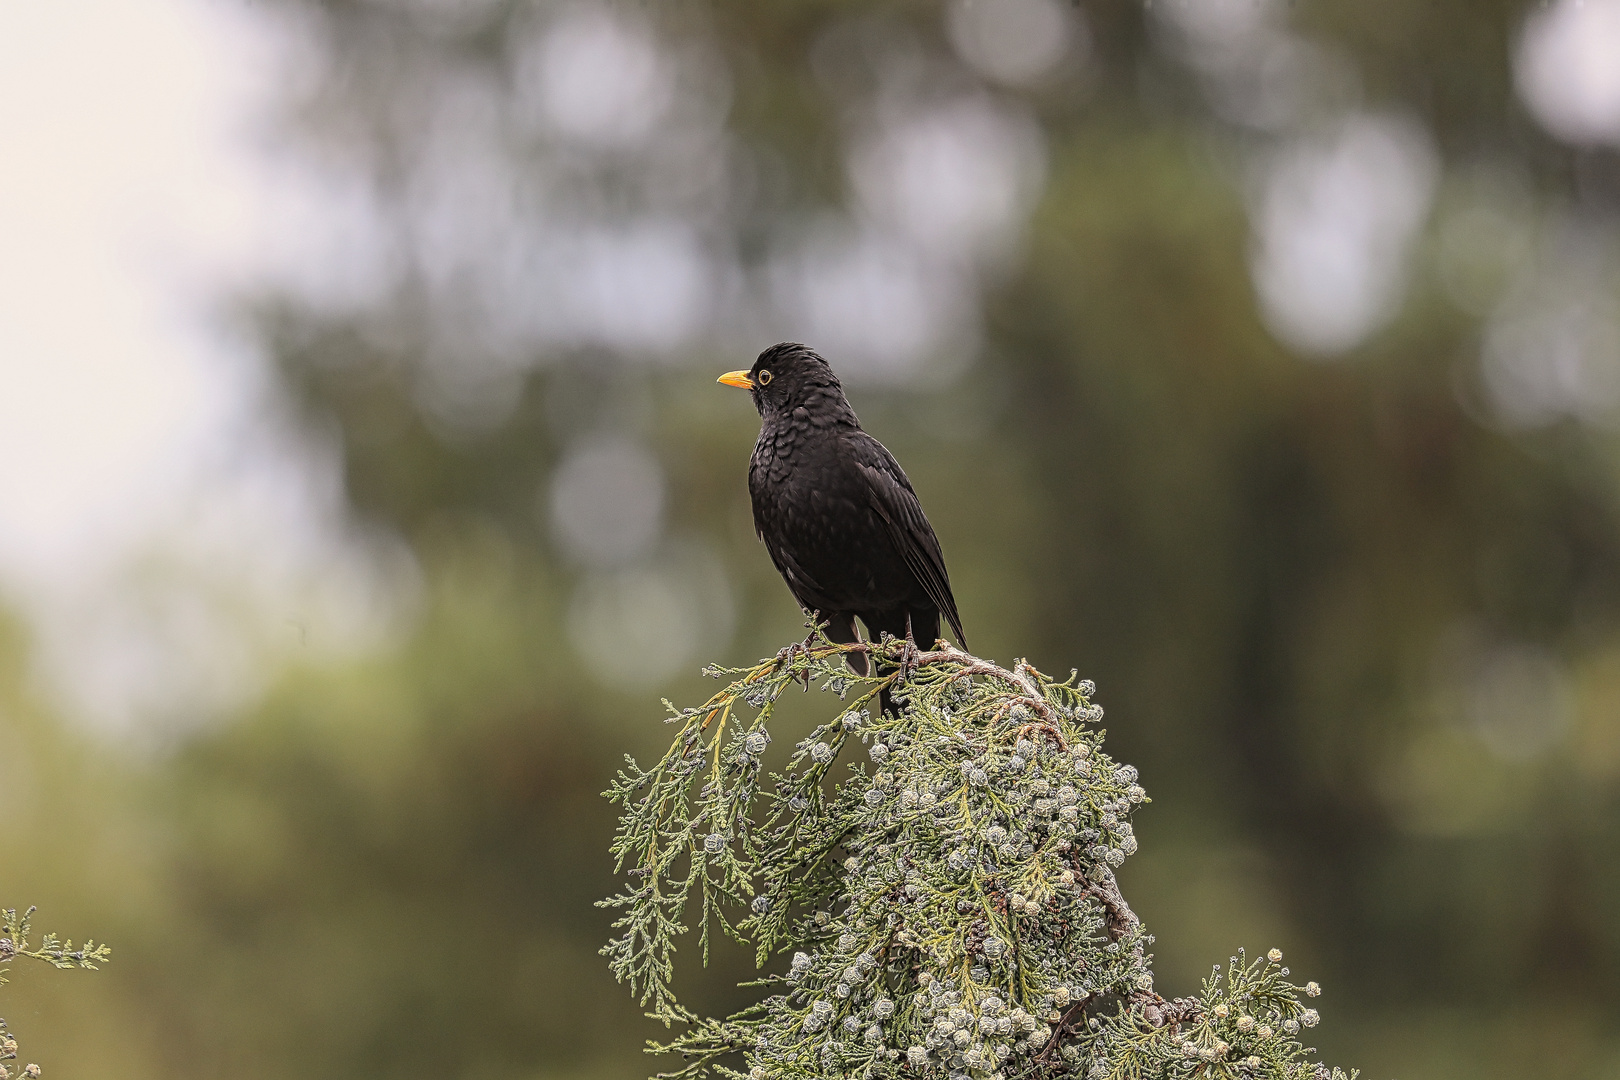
[
  {"x": 52, "y": 950},
  {"x": 950, "y": 904}
]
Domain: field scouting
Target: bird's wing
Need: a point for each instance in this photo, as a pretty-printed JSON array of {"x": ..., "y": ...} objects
[{"x": 896, "y": 503}]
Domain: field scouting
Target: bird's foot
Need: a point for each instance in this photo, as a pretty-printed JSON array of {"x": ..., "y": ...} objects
[
  {"x": 785, "y": 655},
  {"x": 784, "y": 658}
]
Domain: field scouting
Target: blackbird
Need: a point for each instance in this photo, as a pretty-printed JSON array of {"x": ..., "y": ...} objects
[{"x": 836, "y": 512}]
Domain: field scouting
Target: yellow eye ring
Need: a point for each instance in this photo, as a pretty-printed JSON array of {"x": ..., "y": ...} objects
[{"x": 764, "y": 378}]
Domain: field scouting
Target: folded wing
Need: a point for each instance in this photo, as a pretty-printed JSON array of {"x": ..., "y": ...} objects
[{"x": 896, "y": 503}]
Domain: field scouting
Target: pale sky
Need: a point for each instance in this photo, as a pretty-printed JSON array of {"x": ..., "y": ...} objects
[{"x": 148, "y": 494}]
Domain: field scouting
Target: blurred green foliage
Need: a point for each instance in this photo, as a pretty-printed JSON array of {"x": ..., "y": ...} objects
[{"x": 1279, "y": 571}]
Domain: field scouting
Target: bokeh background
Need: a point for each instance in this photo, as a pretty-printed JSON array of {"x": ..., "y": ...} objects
[{"x": 364, "y": 482}]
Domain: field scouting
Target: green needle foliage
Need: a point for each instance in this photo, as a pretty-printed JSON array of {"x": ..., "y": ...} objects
[
  {"x": 950, "y": 904},
  {"x": 52, "y": 950}
]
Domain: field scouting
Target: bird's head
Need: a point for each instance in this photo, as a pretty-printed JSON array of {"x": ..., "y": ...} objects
[{"x": 786, "y": 376}]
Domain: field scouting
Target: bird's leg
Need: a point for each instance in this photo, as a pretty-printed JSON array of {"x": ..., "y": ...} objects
[
  {"x": 785, "y": 656},
  {"x": 908, "y": 653},
  {"x": 814, "y": 623}
]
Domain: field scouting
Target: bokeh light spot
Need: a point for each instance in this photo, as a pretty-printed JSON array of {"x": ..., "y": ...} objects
[
  {"x": 1015, "y": 41},
  {"x": 607, "y": 501},
  {"x": 1334, "y": 223},
  {"x": 1568, "y": 69}
]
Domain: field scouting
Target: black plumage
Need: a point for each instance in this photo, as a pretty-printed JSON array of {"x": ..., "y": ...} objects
[{"x": 836, "y": 511}]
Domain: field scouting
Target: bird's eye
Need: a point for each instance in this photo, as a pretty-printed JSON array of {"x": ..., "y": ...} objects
[{"x": 764, "y": 378}]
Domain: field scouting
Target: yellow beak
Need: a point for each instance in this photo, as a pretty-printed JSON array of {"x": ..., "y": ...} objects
[{"x": 737, "y": 378}]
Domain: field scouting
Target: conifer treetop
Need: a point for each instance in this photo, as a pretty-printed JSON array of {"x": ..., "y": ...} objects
[{"x": 945, "y": 898}]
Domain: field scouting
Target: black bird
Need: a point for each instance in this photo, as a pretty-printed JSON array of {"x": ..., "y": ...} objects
[{"x": 836, "y": 512}]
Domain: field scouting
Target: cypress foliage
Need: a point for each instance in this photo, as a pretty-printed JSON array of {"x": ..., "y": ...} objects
[
  {"x": 14, "y": 942},
  {"x": 949, "y": 902}
]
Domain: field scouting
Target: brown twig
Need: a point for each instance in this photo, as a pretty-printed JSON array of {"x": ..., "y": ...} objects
[
  {"x": 1020, "y": 677},
  {"x": 1121, "y": 919},
  {"x": 1064, "y": 1024}
]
